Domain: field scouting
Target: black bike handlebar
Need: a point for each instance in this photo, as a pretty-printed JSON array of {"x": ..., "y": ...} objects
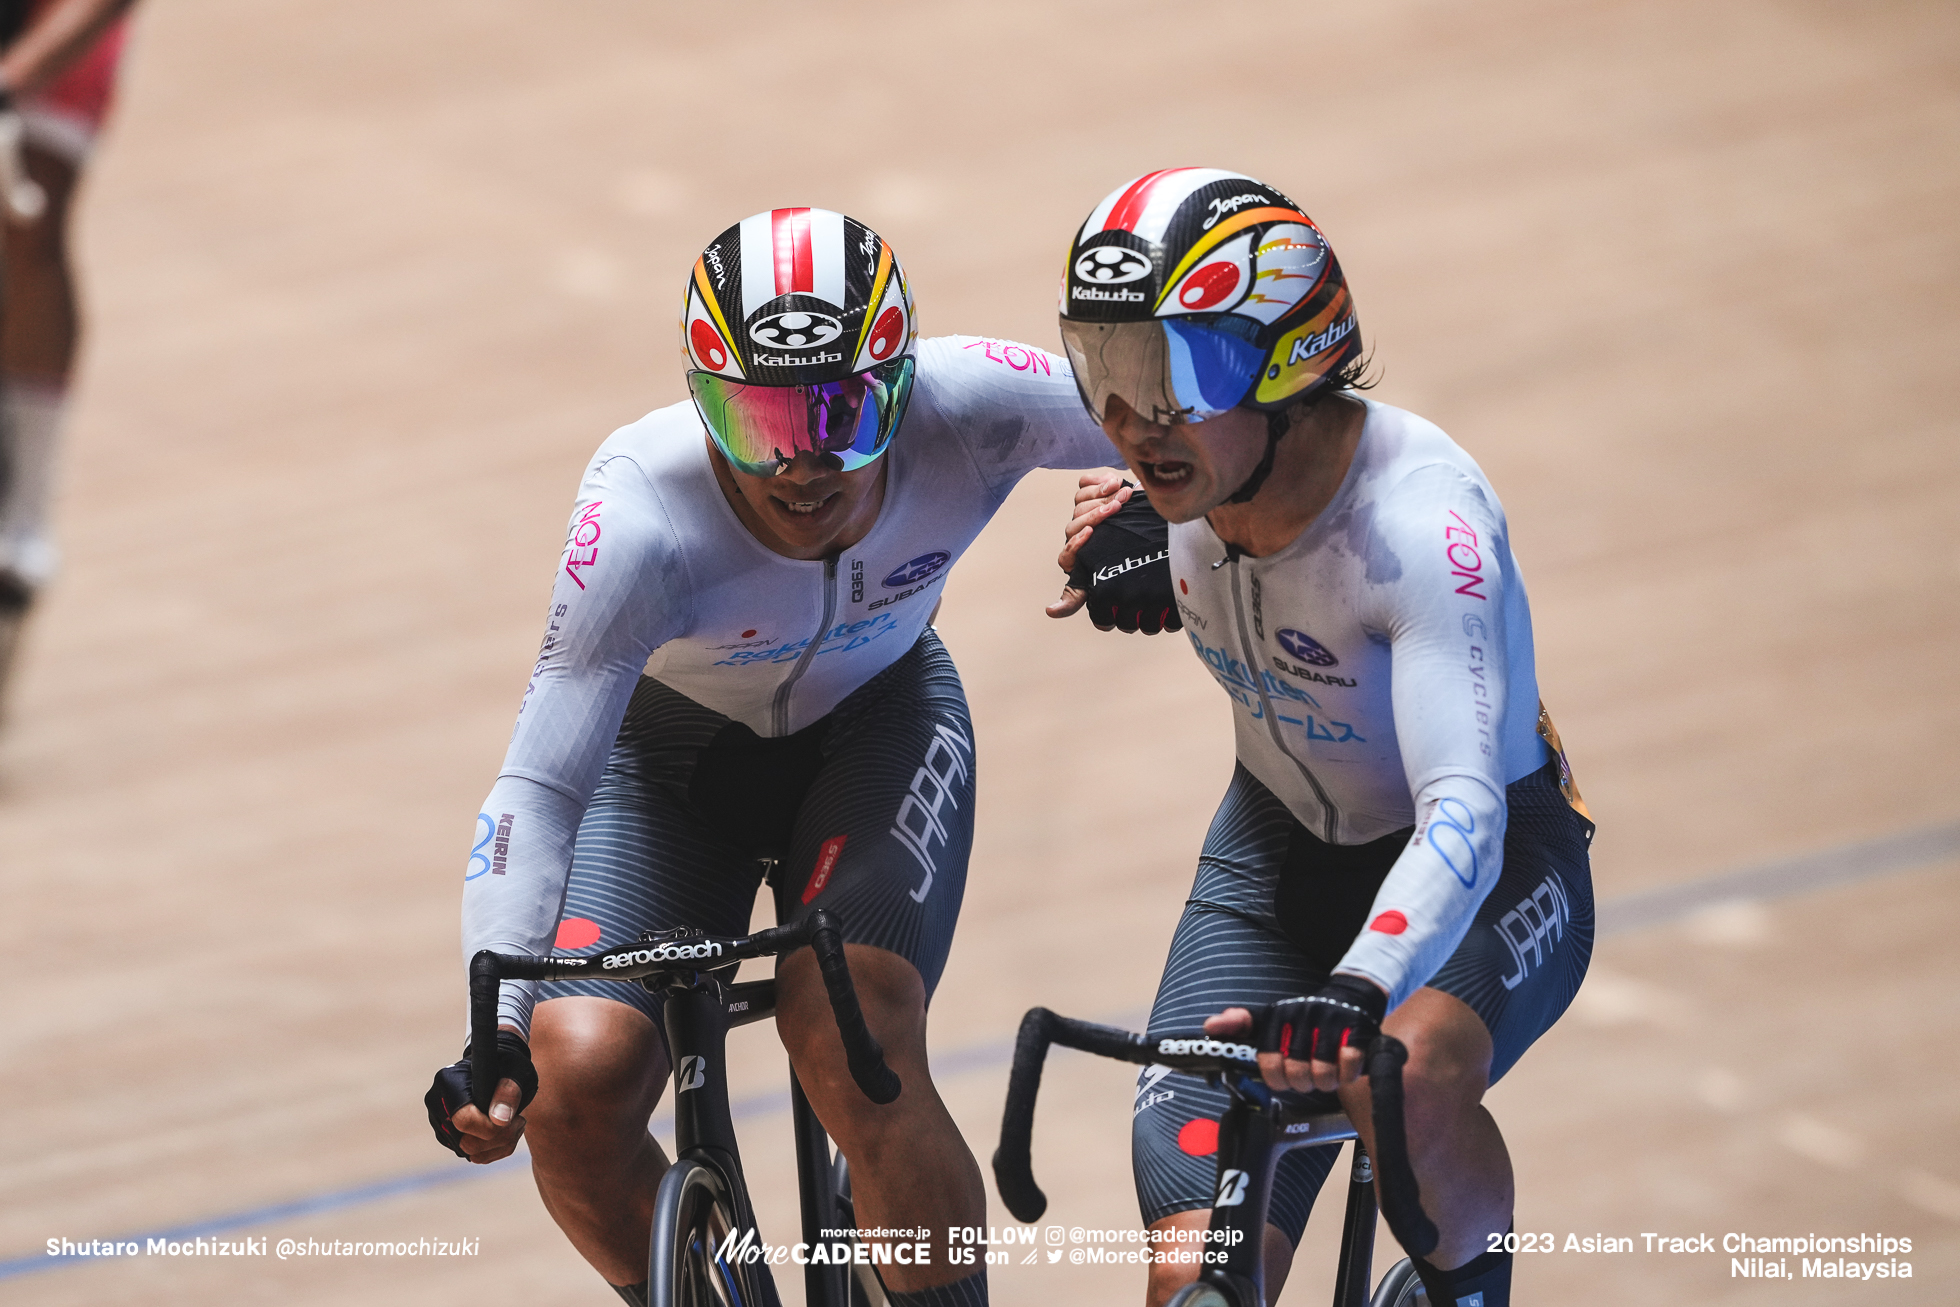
[
  {"x": 1013, "y": 1164},
  {"x": 861, "y": 1048},
  {"x": 1401, "y": 1196},
  {"x": 683, "y": 953}
]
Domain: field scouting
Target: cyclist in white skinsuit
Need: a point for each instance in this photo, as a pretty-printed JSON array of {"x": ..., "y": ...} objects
[
  {"x": 659, "y": 576},
  {"x": 738, "y": 662},
  {"x": 1401, "y": 846},
  {"x": 1400, "y": 594}
]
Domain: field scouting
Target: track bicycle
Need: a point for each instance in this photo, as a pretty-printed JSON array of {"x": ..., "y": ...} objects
[
  {"x": 1257, "y": 1128},
  {"x": 704, "y": 1223}
]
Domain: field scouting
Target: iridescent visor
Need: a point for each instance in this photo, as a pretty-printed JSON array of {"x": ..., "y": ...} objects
[
  {"x": 1167, "y": 370},
  {"x": 762, "y": 429}
]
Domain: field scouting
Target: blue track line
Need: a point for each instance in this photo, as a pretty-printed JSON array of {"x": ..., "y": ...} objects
[
  {"x": 435, "y": 1178},
  {"x": 1883, "y": 856}
]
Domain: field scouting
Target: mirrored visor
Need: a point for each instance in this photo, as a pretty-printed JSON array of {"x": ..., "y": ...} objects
[
  {"x": 761, "y": 429},
  {"x": 1167, "y": 370}
]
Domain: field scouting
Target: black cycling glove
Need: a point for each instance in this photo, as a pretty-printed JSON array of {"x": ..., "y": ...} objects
[
  {"x": 1125, "y": 567},
  {"x": 452, "y": 1087},
  {"x": 1346, "y": 1012}
]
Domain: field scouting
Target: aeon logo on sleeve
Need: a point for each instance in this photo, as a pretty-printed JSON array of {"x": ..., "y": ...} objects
[
  {"x": 918, "y": 569},
  {"x": 1111, "y": 265},
  {"x": 1306, "y": 648}
]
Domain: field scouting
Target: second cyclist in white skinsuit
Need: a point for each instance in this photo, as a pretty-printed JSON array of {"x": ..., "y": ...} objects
[
  {"x": 1381, "y": 669},
  {"x": 1400, "y": 848},
  {"x": 738, "y": 663}
]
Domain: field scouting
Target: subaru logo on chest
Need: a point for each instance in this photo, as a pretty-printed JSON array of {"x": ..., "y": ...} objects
[
  {"x": 918, "y": 569},
  {"x": 1304, "y": 647}
]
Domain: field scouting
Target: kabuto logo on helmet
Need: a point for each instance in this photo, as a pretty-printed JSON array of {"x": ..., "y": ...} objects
[
  {"x": 797, "y": 329},
  {"x": 1109, "y": 265}
]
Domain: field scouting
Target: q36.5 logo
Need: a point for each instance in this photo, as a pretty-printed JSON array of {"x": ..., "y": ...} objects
[
  {"x": 796, "y": 330},
  {"x": 1110, "y": 265},
  {"x": 1306, "y": 649},
  {"x": 918, "y": 569}
]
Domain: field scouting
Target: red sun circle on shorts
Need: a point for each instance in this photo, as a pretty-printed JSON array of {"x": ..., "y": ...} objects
[
  {"x": 1199, "y": 1138},
  {"x": 748, "y": 633},
  {"x": 1390, "y": 923},
  {"x": 577, "y": 932},
  {"x": 707, "y": 344},
  {"x": 884, "y": 336},
  {"x": 1183, "y": 586},
  {"x": 1209, "y": 285}
]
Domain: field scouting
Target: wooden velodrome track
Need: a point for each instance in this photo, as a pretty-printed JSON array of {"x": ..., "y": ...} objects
[{"x": 369, "y": 281}]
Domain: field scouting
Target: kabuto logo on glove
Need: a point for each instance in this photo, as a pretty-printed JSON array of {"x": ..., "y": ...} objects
[
  {"x": 1128, "y": 565},
  {"x": 1125, "y": 569}
]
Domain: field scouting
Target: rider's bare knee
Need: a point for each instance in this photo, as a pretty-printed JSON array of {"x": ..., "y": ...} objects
[
  {"x": 601, "y": 1067},
  {"x": 889, "y": 991},
  {"x": 1447, "y": 1074}
]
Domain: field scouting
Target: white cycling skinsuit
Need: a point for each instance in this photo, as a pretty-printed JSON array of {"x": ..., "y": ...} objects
[
  {"x": 659, "y": 575},
  {"x": 1381, "y": 673}
]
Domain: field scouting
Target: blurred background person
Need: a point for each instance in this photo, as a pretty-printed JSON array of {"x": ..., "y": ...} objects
[{"x": 58, "y": 73}]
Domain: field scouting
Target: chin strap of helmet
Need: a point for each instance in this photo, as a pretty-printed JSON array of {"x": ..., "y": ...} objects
[{"x": 1276, "y": 424}]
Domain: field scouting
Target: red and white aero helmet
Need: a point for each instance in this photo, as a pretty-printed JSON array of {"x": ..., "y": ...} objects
[
  {"x": 1190, "y": 291},
  {"x": 796, "y": 296}
]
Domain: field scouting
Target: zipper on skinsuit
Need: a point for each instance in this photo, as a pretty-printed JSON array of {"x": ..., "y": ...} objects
[
  {"x": 779, "y": 713},
  {"x": 1256, "y": 674}
]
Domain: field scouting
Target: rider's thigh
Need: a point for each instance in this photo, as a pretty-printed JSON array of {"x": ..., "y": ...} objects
[
  {"x": 882, "y": 839},
  {"x": 1171, "y": 1273},
  {"x": 601, "y": 1069},
  {"x": 889, "y": 991}
]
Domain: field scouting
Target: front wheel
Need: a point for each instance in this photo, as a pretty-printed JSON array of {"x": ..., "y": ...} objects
[
  {"x": 866, "y": 1289},
  {"x": 693, "y": 1217},
  {"x": 1202, "y": 1294},
  {"x": 1401, "y": 1287}
]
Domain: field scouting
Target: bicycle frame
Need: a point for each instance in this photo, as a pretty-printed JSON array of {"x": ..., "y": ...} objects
[
  {"x": 1256, "y": 1131},
  {"x": 699, "y": 1010},
  {"x": 699, "y": 1016}
]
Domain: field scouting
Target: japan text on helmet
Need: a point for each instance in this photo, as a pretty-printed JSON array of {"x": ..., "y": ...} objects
[
  {"x": 1194, "y": 290},
  {"x": 800, "y": 336}
]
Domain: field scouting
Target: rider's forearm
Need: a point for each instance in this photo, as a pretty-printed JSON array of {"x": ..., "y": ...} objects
[
  {"x": 51, "y": 44},
  {"x": 514, "y": 885},
  {"x": 1431, "y": 895}
]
